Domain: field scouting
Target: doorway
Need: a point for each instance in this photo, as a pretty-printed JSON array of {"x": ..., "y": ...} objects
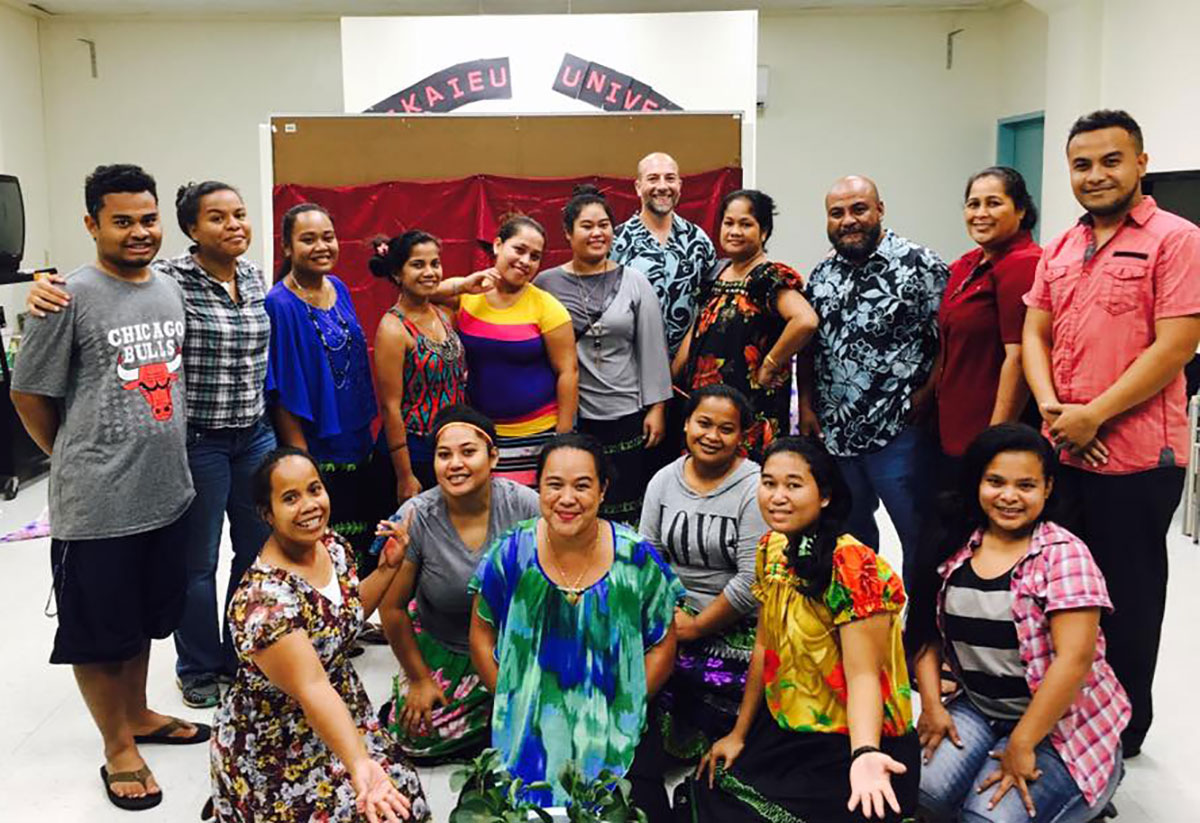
[{"x": 1019, "y": 145}]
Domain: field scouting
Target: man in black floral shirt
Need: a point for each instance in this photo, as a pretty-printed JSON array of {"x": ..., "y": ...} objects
[
  {"x": 675, "y": 255},
  {"x": 872, "y": 360}
]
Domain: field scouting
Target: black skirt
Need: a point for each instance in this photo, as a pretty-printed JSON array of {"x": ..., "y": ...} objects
[
  {"x": 625, "y": 445},
  {"x": 794, "y": 777}
]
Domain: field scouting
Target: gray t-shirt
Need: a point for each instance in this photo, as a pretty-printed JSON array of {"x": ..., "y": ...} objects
[
  {"x": 446, "y": 564},
  {"x": 709, "y": 539},
  {"x": 113, "y": 358},
  {"x": 623, "y": 365}
]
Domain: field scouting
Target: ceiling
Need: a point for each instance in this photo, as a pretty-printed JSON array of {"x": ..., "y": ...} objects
[{"x": 339, "y": 8}]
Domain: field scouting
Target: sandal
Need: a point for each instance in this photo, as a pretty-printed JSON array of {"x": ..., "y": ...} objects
[
  {"x": 165, "y": 734},
  {"x": 131, "y": 804}
]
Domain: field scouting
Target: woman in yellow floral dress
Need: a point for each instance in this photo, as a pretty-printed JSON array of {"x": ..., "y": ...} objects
[
  {"x": 295, "y": 738},
  {"x": 834, "y": 740}
]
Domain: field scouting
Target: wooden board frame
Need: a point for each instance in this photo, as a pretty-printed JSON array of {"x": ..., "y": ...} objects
[{"x": 353, "y": 149}]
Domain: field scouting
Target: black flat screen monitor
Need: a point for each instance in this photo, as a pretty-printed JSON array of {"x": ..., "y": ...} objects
[
  {"x": 12, "y": 224},
  {"x": 1176, "y": 191}
]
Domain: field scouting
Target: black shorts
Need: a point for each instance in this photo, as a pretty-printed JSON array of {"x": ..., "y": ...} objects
[{"x": 116, "y": 593}]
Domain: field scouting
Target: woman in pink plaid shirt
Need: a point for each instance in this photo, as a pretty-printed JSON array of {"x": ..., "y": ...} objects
[{"x": 1015, "y": 610}]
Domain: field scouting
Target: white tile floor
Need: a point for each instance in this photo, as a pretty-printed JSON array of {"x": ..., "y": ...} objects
[{"x": 50, "y": 751}]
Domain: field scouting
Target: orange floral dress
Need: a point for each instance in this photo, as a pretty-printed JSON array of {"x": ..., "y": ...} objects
[
  {"x": 803, "y": 678},
  {"x": 736, "y": 327}
]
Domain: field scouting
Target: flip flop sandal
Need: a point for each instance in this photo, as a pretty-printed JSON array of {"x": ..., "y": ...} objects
[
  {"x": 131, "y": 804},
  {"x": 164, "y": 734}
]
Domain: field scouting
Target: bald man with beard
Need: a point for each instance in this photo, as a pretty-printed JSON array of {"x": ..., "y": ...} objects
[{"x": 867, "y": 384}]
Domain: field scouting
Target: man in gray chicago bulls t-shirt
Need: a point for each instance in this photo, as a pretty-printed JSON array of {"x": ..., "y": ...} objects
[{"x": 99, "y": 386}]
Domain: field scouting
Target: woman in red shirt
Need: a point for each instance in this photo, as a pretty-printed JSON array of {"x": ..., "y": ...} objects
[{"x": 979, "y": 324}]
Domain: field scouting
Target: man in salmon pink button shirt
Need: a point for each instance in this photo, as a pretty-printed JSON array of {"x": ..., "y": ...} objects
[{"x": 1114, "y": 315}]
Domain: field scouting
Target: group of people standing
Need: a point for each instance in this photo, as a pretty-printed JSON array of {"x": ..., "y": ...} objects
[{"x": 608, "y": 546}]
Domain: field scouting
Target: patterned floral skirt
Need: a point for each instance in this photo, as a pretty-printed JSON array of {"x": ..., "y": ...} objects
[
  {"x": 700, "y": 703},
  {"x": 794, "y": 777},
  {"x": 625, "y": 445},
  {"x": 462, "y": 728}
]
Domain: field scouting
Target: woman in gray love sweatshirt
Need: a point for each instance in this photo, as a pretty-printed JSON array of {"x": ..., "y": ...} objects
[{"x": 701, "y": 513}]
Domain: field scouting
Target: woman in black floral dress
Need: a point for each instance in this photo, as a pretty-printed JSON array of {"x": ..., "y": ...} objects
[
  {"x": 296, "y": 739},
  {"x": 753, "y": 319}
]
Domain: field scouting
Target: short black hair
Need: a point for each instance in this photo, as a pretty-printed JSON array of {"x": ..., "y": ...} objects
[
  {"x": 762, "y": 206},
  {"x": 462, "y": 413},
  {"x": 584, "y": 443},
  {"x": 399, "y": 249},
  {"x": 187, "y": 201},
  {"x": 723, "y": 392},
  {"x": 119, "y": 178},
  {"x": 260, "y": 481},
  {"x": 1014, "y": 187},
  {"x": 584, "y": 194},
  {"x": 512, "y": 223},
  {"x": 288, "y": 225},
  {"x": 1107, "y": 119}
]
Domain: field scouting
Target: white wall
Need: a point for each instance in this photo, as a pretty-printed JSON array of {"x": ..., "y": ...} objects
[
  {"x": 856, "y": 93},
  {"x": 184, "y": 99},
  {"x": 861, "y": 92},
  {"x": 382, "y": 55},
  {"x": 1152, "y": 69},
  {"x": 21, "y": 141},
  {"x": 1139, "y": 55}
]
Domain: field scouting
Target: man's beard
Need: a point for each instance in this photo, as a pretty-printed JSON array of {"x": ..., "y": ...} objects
[
  {"x": 1115, "y": 207},
  {"x": 857, "y": 252},
  {"x": 654, "y": 205}
]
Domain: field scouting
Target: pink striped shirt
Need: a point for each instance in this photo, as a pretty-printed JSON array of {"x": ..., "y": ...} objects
[{"x": 1058, "y": 573}]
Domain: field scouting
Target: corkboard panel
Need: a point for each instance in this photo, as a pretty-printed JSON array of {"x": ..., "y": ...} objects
[{"x": 346, "y": 150}]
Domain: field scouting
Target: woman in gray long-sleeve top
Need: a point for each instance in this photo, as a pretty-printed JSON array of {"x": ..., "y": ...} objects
[
  {"x": 702, "y": 514},
  {"x": 624, "y": 372}
]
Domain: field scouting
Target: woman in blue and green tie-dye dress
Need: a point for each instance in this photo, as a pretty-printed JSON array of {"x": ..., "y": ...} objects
[{"x": 573, "y": 631}]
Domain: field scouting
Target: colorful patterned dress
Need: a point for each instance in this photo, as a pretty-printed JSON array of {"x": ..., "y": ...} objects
[
  {"x": 512, "y": 380},
  {"x": 572, "y": 682},
  {"x": 267, "y": 763},
  {"x": 736, "y": 327},
  {"x": 435, "y": 376},
  {"x": 796, "y": 764}
]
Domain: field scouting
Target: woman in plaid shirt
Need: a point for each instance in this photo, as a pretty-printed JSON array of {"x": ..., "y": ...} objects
[{"x": 1015, "y": 609}]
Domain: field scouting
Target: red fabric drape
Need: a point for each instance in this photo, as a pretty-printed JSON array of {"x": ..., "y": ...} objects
[{"x": 465, "y": 214}]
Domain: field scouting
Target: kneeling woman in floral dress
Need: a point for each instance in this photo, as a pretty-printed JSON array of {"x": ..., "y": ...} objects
[
  {"x": 295, "y": 736},
  {"x": 826, "y": 723}
]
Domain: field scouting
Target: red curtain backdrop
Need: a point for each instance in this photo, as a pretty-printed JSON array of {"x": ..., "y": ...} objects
[{"x": 465, "y": 214}]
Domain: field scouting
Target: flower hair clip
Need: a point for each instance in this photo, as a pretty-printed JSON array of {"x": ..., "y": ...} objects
[{"x": 381, "y": 248}]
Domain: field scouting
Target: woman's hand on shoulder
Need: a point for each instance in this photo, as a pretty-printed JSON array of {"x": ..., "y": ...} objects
[
  {"x": 871, "y": 784},
  {"x": 479, "y": 282},
  {"x": 46, "y": 298}
]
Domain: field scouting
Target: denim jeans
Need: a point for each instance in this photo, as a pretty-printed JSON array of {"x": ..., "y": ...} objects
[
  {"x": 222, "y": 463},
  {"x": 901, "y": 474},
  {"x": 951, "y": 777}
]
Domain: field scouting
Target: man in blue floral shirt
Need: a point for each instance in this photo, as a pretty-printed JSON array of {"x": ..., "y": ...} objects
[
  {"x": 674, "y": 254},
  {"x": 872, "y": 362}
]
